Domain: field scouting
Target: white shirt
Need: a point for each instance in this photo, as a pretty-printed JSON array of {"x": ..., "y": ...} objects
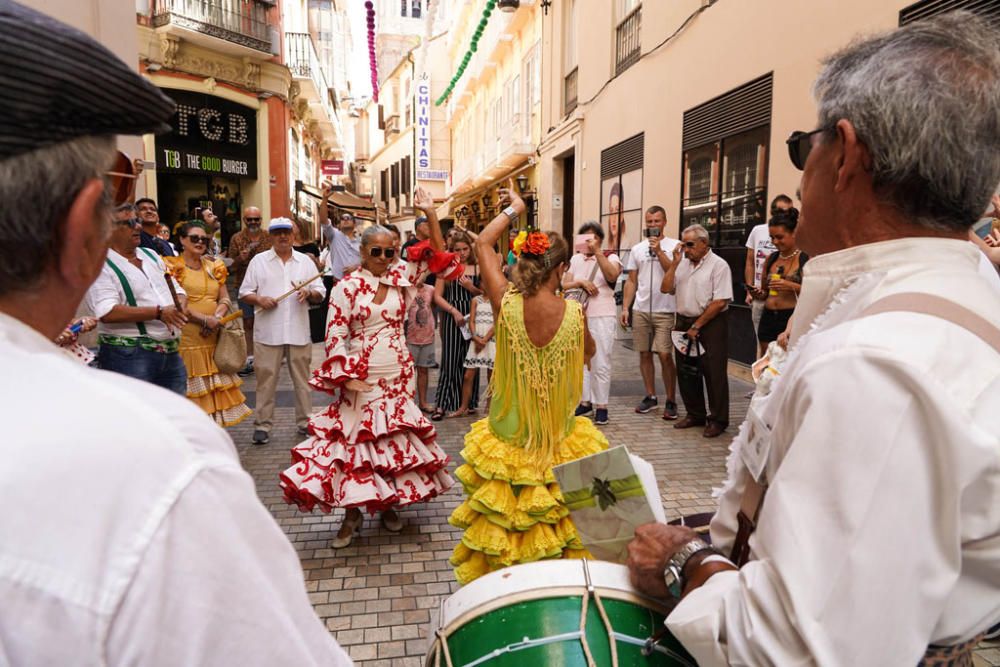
[
  {"x": 149, "y": 287},
  {"x": 138, "y": 538},
  {"x": 880, "y": 532},
  {"x": 344, "y": 251},
  {"x": 649, "y": 275},
  {"x": 267, "y": 275},
  {"x": 697, "y": 285},
  {"x": 759, "y": 242}
]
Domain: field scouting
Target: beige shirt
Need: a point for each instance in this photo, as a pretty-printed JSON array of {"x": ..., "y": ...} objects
[
  {"x": 880, "y": 530},
  {"x": 697, "y": 285}
]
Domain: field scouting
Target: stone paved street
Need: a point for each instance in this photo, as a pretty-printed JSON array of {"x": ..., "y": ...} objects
[{"x": 378, "y": 595}]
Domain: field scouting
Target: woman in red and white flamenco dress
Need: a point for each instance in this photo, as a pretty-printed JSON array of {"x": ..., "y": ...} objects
[{"x": 372, "y": 448}]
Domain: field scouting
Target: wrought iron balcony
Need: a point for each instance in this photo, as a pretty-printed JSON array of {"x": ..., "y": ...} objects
[
  {"x": 569, "y": 92},
  {"x": 242, "y": 22},
  {"x": 392, "y": 126},
  {"x": 303, "y": 62},
  {"x": 628, "y": 43}
]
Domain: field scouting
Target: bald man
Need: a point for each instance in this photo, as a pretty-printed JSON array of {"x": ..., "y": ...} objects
[{"x": 244, "y": 245}]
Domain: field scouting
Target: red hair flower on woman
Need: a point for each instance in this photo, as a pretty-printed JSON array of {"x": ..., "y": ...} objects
[{"x": 537, "y": 243}]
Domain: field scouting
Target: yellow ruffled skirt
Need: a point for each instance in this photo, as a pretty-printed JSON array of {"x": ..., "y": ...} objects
[
  {"x": 217, "y": 394},
  {"x": 514, "y": 511}
]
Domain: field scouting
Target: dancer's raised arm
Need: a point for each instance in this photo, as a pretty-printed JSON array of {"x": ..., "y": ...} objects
[
  {"x": 490, "y": 263},
  {"x": 423, "y": 201}
]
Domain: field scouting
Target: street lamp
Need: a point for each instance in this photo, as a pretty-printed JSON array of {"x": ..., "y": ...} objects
[
  {"x": 509, "y": 5},
  {"x": 529, "y": 200}
]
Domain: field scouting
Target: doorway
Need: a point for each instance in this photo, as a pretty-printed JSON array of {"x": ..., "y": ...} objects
[{"x": 569, "y": 197}]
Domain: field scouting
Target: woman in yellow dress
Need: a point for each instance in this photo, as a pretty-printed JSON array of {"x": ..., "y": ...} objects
[
  {"x": 514, "y": 512},
  {"x": 204, "y": 280}
]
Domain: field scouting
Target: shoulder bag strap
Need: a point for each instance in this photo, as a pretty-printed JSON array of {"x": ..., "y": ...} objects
[
  {"x": 129, "y": 297},
  {"x": 904, "y": 302}
]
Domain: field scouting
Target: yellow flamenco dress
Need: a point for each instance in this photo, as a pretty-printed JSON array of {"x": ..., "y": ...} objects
[
  {"x": 217, "y": 394},
  {"x": 514, "y": 511}
]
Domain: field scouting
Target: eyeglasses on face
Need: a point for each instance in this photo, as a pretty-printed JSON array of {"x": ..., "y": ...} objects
[
  {"x": 378, "y": 252},
  {"x": 252, "y": 219},
  {"x": 130, "y": 222},
  {"x": 197, "y": 239},
  {"x": 800, "y": 145}
]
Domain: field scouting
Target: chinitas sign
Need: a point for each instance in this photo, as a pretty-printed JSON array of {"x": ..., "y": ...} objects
[
  {"x": 423, "y": 121},
  {"x": 211, "y": 137}
]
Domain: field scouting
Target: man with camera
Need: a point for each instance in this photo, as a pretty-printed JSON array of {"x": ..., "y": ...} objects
[{"x": 651, "y": 313}]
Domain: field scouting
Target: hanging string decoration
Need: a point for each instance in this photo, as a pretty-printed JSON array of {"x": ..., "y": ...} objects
[
  {"x": 473, "y": 47},
  {"x": 373, "y": 61}
]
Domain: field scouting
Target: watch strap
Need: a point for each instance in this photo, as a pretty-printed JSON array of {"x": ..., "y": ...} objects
[{"x": 511, "y": 213}]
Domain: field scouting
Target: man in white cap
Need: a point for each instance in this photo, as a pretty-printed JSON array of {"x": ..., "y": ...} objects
[
  {"x": 281, "y": 328},
  {"x": 151, "y": 547}
]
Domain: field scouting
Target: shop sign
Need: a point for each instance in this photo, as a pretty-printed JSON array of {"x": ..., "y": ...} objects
[
  {"x": 423, "y": 122},
  {"x": 332, "y": 167},
  {"x": 432, "y": 175},
  {"x": 211, "y": 136}
]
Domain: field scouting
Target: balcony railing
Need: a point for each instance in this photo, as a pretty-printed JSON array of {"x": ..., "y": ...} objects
[
  {"x": 628, "y": 43},
  {"x": 242, "y": 22},
  {"x": 569, "y": 92},
  {"x": 392, "y": 125},
  {"x": 303, "y": 62}
]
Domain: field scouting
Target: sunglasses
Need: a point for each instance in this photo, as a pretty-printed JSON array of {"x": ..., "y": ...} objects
[
  {"x": 197, "y": 239},
  {"x": 799, "y": 146},
  {"x": 377, "y": 252},
  {"x": 252, "y": 219},
  {"x": 689, "y": 244}
]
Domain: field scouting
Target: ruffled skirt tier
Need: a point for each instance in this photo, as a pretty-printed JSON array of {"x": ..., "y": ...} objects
[
  {"x": 217, "y": 394},
  {"x": 378, "y": 454},
  {"x": 514, "y": 511}
]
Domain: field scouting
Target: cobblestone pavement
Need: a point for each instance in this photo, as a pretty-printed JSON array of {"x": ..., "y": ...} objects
[{"x": 378, "y": 596}]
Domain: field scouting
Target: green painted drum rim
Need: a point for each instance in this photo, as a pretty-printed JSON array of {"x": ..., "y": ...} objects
[{"x": 538, "y": 619}]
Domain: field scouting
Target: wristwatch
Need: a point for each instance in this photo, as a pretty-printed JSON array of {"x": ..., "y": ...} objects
[
  {"x": 511, "y": 214},
  {"x": 673, "y": 574}
]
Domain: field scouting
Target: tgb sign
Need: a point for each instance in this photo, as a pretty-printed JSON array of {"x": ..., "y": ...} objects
[{"x": 211, "y": 136}]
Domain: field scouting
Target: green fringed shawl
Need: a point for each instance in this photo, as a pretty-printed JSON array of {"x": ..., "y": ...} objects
[{"x": 535, "y": 389}]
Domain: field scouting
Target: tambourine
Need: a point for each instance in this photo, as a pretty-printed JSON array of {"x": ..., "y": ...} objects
[{"x": 122, "y": 178}]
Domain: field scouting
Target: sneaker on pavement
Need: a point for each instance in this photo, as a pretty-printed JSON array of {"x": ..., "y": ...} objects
[
  {"x": 670, "y": 411},
  {"x": 647, "y": 404},
  {"x": 260, "y": 437},
  {"x": 246, "y": 370},
  {"x": 601, "y": 416},
  {"x": 583, "y": 409}
]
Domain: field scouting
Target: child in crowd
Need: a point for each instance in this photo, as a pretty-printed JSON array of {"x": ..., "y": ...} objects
[
  {"x": 420, "y": 337},
  {"x": 482, "y": 352}
]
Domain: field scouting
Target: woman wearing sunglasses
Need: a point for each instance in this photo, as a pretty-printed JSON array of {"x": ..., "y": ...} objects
[
  {"x": 372, "y": 449},
  {"x": 204, "y": 280}
]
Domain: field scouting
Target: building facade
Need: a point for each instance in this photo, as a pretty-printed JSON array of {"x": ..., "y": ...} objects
[
  {"x": 494, "y": 111},
  {"x": 686, "y": 105}
]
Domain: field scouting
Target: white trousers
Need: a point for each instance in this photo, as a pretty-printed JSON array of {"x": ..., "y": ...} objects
[{"x": 597, "y": 380}]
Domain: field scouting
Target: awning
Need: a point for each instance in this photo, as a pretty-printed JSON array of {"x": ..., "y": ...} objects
[{"x": 344, "y": 200}]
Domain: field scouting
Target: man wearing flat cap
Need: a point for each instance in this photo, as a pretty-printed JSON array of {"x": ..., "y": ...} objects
[
  {"x": 137, "y": 538},
  {"x": 281, "y": 327}
]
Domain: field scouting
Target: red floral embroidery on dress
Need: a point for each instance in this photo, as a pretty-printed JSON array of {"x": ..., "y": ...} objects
[{"x": 375, "y": 449}]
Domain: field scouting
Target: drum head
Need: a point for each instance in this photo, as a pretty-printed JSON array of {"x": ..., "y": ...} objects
[{"x": 530, "y": 614}]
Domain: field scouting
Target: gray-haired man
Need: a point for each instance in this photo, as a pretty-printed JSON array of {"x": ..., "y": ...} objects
[
  {"x": 870, "y": 470},
  {"x": 156, "y": 549}
]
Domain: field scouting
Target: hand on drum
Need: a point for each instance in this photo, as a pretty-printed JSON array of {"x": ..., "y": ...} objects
[{"x": 648, "y": 553}]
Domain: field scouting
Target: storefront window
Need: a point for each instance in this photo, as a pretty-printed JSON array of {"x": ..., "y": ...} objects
[{"x": 739, "y": 164}]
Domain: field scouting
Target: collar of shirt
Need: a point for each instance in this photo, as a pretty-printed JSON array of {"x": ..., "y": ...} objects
[
  {"x": 296, "y": 257},
  {"x": 826, "y": 275},
  {"x": 18, "y": 334}
]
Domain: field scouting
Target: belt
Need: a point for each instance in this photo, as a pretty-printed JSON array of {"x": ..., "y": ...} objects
[{"x": 145, "y": 342}]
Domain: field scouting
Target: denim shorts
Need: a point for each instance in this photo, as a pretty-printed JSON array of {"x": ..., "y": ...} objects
[{"x": 164, "y": 370}]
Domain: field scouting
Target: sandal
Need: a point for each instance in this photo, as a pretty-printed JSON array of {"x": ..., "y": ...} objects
[
  {"x": 426, "y": 409},
  {"x": 437, "y": 415},
  {"x": 353, "y": 528},
  {"x": 457, "y": 413},
  {"x": 391, "y": 521}
]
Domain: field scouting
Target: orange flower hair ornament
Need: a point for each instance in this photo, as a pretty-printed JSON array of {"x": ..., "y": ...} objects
[{"x": 537, "y": 243}]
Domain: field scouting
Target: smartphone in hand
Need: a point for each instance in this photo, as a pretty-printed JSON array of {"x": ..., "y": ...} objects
[{"x": 580, "y": 242}]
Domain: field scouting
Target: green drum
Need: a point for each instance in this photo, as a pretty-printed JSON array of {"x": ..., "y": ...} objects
[{"x": 559, "y": 613}]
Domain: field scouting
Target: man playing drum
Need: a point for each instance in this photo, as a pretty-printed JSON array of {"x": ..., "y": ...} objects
[{"x": 870, "y": 472}]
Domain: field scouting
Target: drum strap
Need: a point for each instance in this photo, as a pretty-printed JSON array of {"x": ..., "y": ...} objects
[{"x": 906, "y": 302}]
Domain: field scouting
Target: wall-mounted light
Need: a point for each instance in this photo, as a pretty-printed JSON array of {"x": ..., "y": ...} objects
[
  {"x": 545, "y": 6},
  {"x": 522, "y": 183}
]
